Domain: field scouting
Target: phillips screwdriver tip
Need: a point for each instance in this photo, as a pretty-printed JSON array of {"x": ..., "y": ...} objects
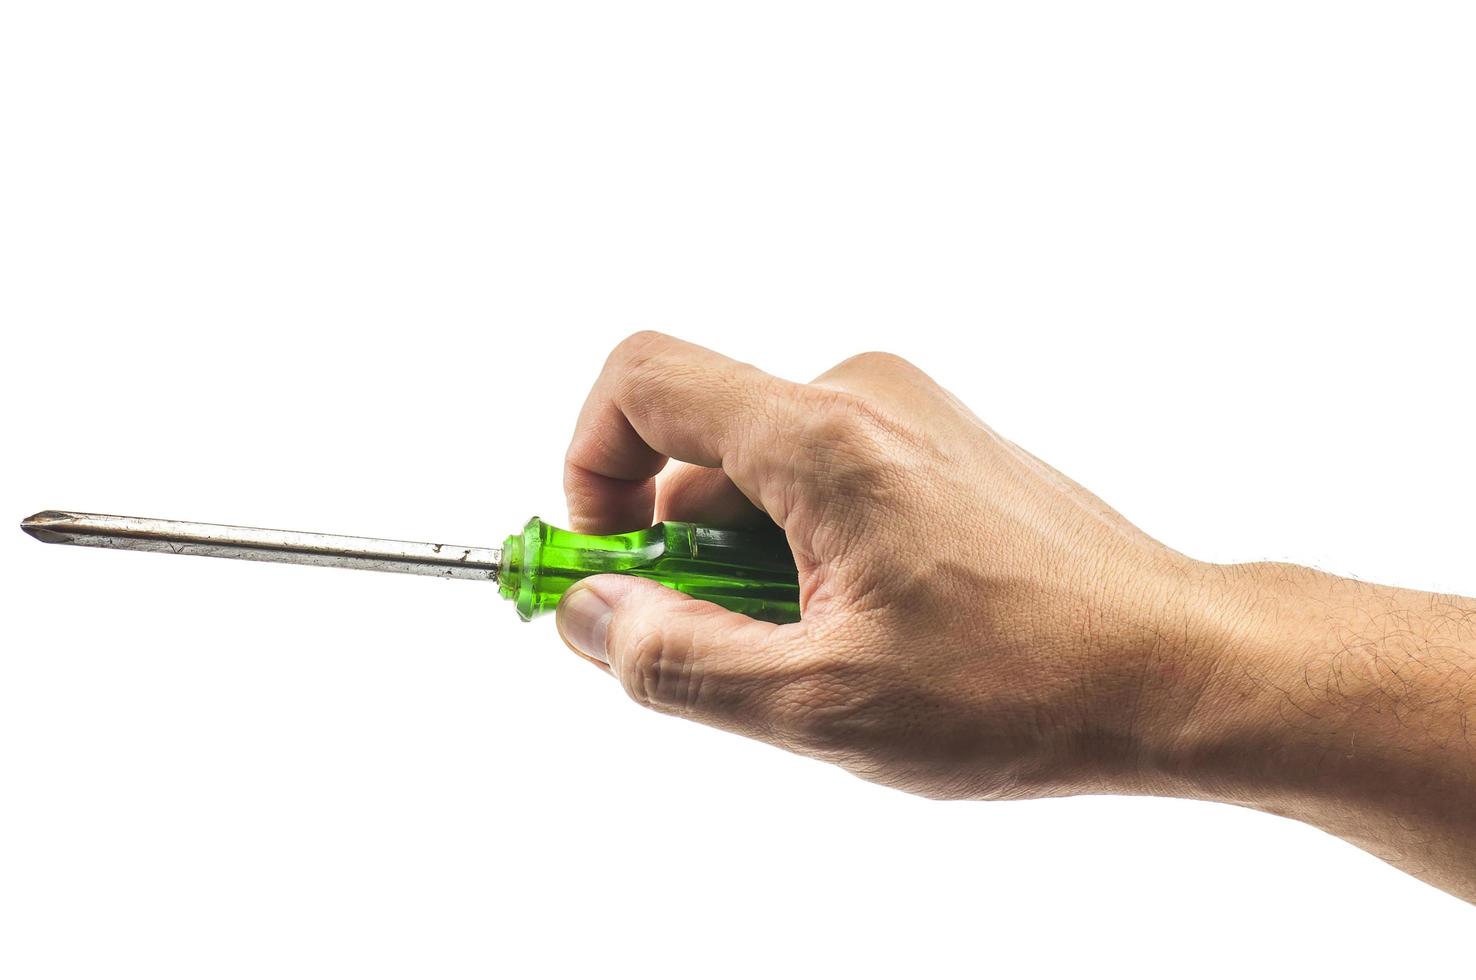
[{"x": 42, "y": 526}]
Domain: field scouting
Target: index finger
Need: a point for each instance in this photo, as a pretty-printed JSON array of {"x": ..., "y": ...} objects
[{"x": 660, "y": 398}]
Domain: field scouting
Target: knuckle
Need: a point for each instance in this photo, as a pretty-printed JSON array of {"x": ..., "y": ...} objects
[
  {"x": 638, "y": 353},
  {"x": 882, "y": 361},
  {"x": 656, "y": 674},
  {"x": 640, "y": 344},
  {"x": 837, "y": 418},
  {"x": 853, "y": 444},
  {"x": 856, "y": 435},
  {"x": 648, "y": 370},
  {"x": 644, "y": 666}
]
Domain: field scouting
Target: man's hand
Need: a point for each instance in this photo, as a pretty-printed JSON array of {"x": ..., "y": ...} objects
[{"x": 976, "y": 625}]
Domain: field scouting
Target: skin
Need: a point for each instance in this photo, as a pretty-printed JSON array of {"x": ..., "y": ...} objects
[{"x": 1033, "y": 642}]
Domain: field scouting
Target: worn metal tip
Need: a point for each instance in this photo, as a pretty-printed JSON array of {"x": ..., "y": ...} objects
[{"x": 42, "y": 526}]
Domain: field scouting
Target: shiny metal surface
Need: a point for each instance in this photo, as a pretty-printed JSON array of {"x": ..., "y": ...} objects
[{"x": 262, "y": 544}]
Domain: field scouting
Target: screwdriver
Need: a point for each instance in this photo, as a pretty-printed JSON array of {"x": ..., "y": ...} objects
[{"x": 747, "y": 571}]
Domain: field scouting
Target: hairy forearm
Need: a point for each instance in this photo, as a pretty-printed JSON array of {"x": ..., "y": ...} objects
[{"x": 1342, "y": 704}]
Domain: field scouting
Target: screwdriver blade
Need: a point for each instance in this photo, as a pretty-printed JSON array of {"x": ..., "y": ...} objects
[{"x": 262, "y": 544}]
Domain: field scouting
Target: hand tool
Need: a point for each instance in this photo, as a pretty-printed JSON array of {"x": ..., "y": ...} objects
[{"x": 748, "y": 571}]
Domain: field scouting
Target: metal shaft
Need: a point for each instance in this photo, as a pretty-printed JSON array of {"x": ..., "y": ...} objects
[{"x": 262, "y": 544}]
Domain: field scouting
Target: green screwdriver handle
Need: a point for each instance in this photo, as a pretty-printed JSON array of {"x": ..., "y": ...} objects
[{"x": 747, "y": 571}]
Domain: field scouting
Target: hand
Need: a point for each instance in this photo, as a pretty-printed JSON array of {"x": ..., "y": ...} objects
[{"x": 974, "y": 623}]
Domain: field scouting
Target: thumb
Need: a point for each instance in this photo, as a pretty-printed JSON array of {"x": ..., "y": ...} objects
[{"x": 669, "y": 651}]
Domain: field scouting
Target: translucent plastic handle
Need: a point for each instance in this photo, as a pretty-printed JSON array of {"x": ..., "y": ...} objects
[{"x": 747, "y": 571}]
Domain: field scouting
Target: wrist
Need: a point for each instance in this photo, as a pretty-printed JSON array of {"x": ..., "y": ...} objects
[
  {"x": 1270, "y": 695},
  {"x": 1214, "y": 682},
  {"x": 1167, "y": 687}
]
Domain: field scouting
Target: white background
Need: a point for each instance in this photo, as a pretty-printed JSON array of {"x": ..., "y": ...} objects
[{"x": 351, "y": 267}]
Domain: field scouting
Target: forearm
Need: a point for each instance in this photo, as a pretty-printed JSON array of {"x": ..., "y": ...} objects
[{"x": 1342, "y": 704}]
